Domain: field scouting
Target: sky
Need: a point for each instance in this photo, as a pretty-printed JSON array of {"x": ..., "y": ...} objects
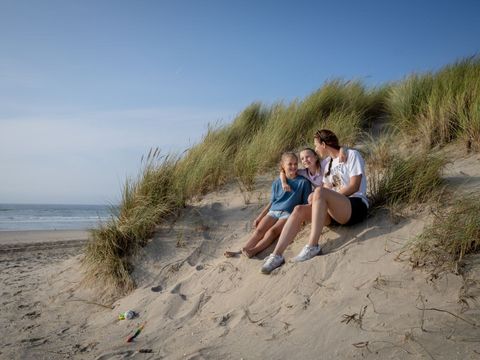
[{"x": 89, "y": 86}]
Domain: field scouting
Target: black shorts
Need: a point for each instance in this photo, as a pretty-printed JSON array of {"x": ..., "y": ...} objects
[{"x": 359, "y": 210}]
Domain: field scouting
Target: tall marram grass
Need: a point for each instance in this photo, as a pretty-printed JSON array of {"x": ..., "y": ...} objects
[
  {"x": 440, "y": 107},
  {"x": 345, "y": 107},
  {"x": 145, "y": 201},
  {"x": 210, "y": 163},
  {"x": 454, "y": 233}
]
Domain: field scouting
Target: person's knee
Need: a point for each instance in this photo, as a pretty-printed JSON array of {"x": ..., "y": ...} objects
[
  {"x": 301, "y": 210},
  {"x": 297, "y": 211},
  {"x": 271, "y": 233},
  {"x": 318, "y": 193},
  {"x": 296, "y": 216},
  {"x": 259, "y": 233}
]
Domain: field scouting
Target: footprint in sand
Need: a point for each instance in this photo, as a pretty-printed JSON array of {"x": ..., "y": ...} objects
[
  {"x": 176, "y": 290},
  {"x": 181, "y": 310}
]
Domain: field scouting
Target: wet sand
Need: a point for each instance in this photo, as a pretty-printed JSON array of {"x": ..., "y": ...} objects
[
  {"x": 36, "y": 236},
  {"x": 15, "y": 241}
]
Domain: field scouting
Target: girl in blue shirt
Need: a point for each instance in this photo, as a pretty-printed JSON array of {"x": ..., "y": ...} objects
[{"x": 269, "y": 224}]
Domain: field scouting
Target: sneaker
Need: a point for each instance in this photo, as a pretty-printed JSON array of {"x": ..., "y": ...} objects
[
  {"x": 308, "y": 252},
  {"x": 271, "y": 263}
]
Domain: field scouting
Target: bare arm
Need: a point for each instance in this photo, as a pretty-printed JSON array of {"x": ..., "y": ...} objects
[
  {"x": 262, "y": 215},
  {"x": 283, "y": 179},
  {"x": 353, "y": 187},
  {"x": 342, "y": 156}
]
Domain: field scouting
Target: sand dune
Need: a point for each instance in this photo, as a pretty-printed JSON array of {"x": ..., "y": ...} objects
[{"x": 361, "y": 299}]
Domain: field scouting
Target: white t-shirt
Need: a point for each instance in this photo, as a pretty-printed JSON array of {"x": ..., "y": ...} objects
[
  {"x": 340, "y": 174},
  {"x": 316, "y": 179}
]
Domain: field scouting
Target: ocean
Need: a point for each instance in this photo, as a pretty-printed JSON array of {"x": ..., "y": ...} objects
[{"x": 19, "y": 217}]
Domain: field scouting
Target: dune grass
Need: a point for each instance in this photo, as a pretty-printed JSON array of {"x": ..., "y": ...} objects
[
  {"x": 401, "y": 176},
  {"x": 454, "y": 233},
  {"x": 406, "y": 180},
  {"x": 210, "y": 164},
  {"x": 434, "y": 109},
  {"x": 437, "y": 108},
  {"x": 145, "y": 202}
]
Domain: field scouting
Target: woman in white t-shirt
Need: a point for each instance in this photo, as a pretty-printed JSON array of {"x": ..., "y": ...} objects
[{"x": 342, "y": 198}]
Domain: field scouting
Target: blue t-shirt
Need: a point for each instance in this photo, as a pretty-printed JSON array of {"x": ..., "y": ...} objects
[{"x": 286, "y": 201}]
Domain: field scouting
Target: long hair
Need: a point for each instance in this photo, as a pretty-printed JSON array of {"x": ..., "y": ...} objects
[
  {"x": 317, "y": 158},
  {"x": 330, "y": 139}
]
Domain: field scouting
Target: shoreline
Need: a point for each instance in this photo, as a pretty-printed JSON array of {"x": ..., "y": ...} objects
[{"x": 25, "y": 237}]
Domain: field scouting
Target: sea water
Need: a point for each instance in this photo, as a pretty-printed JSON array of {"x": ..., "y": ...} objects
[{"x": 19, "y": 217}]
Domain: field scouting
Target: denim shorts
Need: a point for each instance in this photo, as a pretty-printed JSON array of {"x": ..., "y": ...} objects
[{"x": 278, "y": 214}]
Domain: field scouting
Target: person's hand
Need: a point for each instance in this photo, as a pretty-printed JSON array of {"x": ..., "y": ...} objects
[
  {"x": 286, "y": 188},
  {"x": 328, "y": 185},
  {"x": 342, "y": 157},
  {"x": 255, "y": 222}
]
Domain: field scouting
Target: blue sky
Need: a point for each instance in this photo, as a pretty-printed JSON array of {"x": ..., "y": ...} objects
[{"x": 88, "y": 87}]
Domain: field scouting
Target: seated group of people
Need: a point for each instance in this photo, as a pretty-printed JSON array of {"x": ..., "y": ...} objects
[{"x": 337, "y": 178}]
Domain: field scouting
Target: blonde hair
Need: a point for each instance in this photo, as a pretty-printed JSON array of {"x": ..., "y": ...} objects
[{"x": 286, "y": 155}]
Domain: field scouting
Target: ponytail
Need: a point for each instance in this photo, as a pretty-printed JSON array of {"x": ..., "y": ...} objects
[{"x": 329, "y": 167}]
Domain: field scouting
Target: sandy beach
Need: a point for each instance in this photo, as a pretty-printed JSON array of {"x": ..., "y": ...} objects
[
  {"x": 23, "y": 240},
  {"x": 360, "y": 300},
  {"x": 27, "y": 259}
]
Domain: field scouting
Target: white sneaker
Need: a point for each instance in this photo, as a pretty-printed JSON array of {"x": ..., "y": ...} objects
[
  {"x": 308, "y": 252},
  {"x": 271, "y": 263}
]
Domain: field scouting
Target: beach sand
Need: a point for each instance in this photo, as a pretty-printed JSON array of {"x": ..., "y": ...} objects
[
  {"x": 27, "y": 260},
  {"x": 360, "y": 300}
]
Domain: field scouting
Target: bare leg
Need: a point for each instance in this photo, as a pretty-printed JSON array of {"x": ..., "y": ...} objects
[
  {"x": 267, "y": 239},
  {"x": 266, "y": 223},
  {"x": 294, "y": 222},
  {"x": 326, "y": 203}
]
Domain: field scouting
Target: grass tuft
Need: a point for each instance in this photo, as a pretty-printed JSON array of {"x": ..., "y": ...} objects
[
  {"x": 406, "y": 180},
  {"x": 454, "y": 233},
  {"x": 145, "y": 202}
]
